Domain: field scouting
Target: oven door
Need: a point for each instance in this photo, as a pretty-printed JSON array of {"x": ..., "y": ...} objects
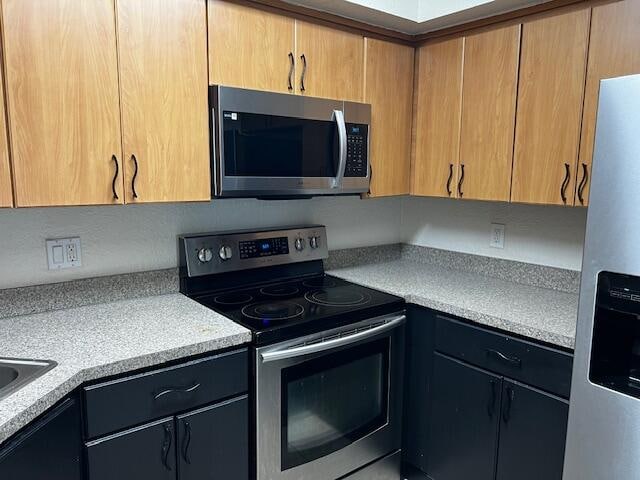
[
  {"x": 329, "y": 404},
  {"x": 271, "y": 144}
]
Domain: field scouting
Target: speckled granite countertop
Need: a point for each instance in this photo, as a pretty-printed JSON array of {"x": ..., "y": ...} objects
[
  {"x": 538, "y": 313},
  {"x": 97, "y": 341}
]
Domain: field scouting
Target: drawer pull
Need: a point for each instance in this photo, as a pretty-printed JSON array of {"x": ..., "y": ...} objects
[
  {"x": 166, "y": 446},
  {"x": 191, "y": 389},
  {"x": 515, "y": 361}
]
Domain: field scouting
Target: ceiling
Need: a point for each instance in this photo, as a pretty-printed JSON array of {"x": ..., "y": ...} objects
[{"x": 416, "y": 16}]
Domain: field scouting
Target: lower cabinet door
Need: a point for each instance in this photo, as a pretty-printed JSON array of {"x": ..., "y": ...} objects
[
  {"x": 533, "y": 429},
  {"x": 50, "y": 449},
  {"x": 213, "y": 442},
  {"x": 142, "y": 453},
  {"x": 464, "y": 421}
]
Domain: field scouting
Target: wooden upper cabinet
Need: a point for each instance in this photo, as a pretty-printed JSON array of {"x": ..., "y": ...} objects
[
  {"x": 438, "y": 102},
  {"x": 250, "y": 48},
  {"x": 614, "y": 50},
  {"x": 6, "y": 193},
  {"x": 334, "y": 62},
  {"x": 550, "y": 97},
  {"x": 489, "y": 87},
  {"x": 389, "y": 68},
  {"x": 164, "y": 91},
  {"x": 62, "y": 95}
]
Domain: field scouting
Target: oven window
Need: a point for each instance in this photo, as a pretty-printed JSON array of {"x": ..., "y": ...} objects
[
  {"x": 271, "y": 146},
  {"x": 334, "y": 400}
]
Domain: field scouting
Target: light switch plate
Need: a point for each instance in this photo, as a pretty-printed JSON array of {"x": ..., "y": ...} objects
[
  {"x": 497, "y": 236},
  {"x": 64, "y": 253}
]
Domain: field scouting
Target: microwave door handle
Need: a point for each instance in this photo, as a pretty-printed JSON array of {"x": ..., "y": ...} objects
[
  {"x": 338, "y": 117},
  {"x": 293, "y": 352}
]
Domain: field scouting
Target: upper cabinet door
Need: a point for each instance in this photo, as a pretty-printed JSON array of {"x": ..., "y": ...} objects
[
  {"x": 613, "y": 52},
  {"x": 164, "y": 92},
  {"x": 488, "y": 114},
  {"x": 6, "y": 193},
  {"x": 389, "y": 67},
  {"x": 330, "y": 62},
  {"x": 62, "y": 91},
  {"x": 550, "y": 97},
  {"x": 438, "y": 102},
  {"x": 250, "y": 48}
]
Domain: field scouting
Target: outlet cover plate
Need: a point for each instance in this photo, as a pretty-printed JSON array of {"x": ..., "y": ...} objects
[
  {"x": 497, "y": 236},
  {"x": 64, "y": 253}
]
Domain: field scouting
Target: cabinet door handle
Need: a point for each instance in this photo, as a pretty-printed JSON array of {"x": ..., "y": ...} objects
[
  {"x": 449, "y": 179},
  {"x": 304, "y": 72},
  {"x": 514, "y": 361},
  {"x": 583, "y": 183},
  {"x": 506, "y": 412},
  {"x": 190, "y": 389},
  {"x": 493, "y": 396},
  {"x": 135, "y": 175},
  {"x": 461, "y": 182},
  {"x": 565, "y": 183},
  {"x": 115, "y": 177},
  {"x": 166, "y": 446},
  {"x": 186, "y": 442},
  {"x": 292, "y": 60}
]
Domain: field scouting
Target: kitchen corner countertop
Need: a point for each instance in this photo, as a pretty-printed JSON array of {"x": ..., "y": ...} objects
[
  {"x": 97, "y": 341},
  {"x": 538, "y": 313}
]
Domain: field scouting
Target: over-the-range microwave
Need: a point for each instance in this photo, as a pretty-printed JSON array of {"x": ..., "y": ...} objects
[{"x": 273, "y": 145}]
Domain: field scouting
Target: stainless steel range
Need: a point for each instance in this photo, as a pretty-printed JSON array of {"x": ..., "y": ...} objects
[{"x": 327, "y": 354}]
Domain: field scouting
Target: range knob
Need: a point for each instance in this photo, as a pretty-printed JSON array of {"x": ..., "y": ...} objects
[
  {"x": 225, "y": 253},
  {"x": 205, "y": 255},
  {"x": 299, "y": 244},
  {"x": 314, "y": 242}
]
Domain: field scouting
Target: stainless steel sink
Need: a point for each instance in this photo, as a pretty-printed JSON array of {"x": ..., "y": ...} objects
[{"x": 16, "y": 373}]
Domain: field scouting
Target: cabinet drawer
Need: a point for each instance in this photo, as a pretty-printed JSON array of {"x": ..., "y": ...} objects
[
  {"x": 536, "y": 365},
  {"x": 133, "y": 400}
]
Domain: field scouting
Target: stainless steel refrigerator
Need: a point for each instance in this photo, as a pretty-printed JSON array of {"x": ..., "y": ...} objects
[{"x": 603, "y": 441}]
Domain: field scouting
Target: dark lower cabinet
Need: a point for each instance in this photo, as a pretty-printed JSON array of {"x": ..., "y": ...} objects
[
  {"x": 210, "y": 443},
  {"x": 213, "y": 442},
  {"x": 473, "y": 399},
  {"x": 533, "y": 429},
  {"x": 49, "y": 449},
  {"x": 463, "y": 436},
  {"x": 143, "y": 453}
]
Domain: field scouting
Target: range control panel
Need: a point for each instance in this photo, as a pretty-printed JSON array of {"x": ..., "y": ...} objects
[
  {"x": 357, "y": 150},
  {"x": 206, "y": 254}
]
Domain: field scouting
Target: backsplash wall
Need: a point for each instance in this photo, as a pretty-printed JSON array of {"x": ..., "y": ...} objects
[
  {"x": 143, "y": 237},
  {"x": 544, "y": 235}
]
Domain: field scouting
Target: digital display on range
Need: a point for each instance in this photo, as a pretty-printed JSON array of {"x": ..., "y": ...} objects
[{"x": 265, "y": 247}]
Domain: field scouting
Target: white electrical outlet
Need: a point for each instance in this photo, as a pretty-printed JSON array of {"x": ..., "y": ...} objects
[
  {"x": 64, "y": 253},
  {"x": 497, "y": 236}
]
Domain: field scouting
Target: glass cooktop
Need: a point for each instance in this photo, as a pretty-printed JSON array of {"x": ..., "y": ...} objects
[{"x": 288, "y": 309}]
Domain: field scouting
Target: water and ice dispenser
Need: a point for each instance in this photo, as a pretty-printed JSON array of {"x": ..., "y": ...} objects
[{"x": 615, "y": 351}]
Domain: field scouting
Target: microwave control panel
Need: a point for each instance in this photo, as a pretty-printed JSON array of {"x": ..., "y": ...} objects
[{"x": 357, "y": 150}]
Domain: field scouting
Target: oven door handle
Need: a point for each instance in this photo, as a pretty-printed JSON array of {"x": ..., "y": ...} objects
[
  {"x": 333, "y": 343},
  {"x": 338, "y": 117}
]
